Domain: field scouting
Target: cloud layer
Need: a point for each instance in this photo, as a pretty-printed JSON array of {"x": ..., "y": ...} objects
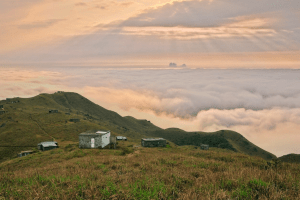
[{"x": 263, "y": 105}]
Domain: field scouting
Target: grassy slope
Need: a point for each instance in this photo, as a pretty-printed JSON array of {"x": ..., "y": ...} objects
[
  {"x": 222, "y": 139},
  {"x": 293, "y": 158},
  {"x": 177, "y": 172},
  {"x": 28, "y": 123}
]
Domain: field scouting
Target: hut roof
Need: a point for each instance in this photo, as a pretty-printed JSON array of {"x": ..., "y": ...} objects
[
  {"x": 48, "y": 143},
  {"x": 152, "y": 139},
  {"x": 95, "y": 132}
]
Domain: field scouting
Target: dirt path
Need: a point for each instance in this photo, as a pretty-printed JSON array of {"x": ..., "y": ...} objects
[{"x": 45, "y": 132}]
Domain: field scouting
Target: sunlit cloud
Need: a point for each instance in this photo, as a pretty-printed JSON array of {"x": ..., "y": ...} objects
[
  {"x": 80, "y": 31},
  {"x": 40, "y": 24},
  {"x": 80, "y": 4},
  {"x": 259, "y": 104},
  {"x": 187, "y": 33}
]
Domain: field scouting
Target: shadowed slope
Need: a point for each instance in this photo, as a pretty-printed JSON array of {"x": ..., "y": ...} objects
[
  {"x": 292, "y": 158},
  {"x": 225, "y": 139}
]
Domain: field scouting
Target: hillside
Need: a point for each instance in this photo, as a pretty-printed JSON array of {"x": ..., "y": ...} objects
[
  {"x": 175, "y": 172},
  {"x": 28, "y": 122},
  {"x": 225, "y": 139},
  {"x": 292, "y": 158}
]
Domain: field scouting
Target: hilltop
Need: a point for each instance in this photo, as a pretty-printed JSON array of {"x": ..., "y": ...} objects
[
  {"x": 224, "y": 139},
  {"x": 28, "y": 122},
  {"x": 292, "y": 158}
]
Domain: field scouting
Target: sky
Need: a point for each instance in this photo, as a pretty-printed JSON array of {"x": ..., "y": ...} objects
[
  {"x": 149, "y": 32},
  {"x": 197, "y": 65}
]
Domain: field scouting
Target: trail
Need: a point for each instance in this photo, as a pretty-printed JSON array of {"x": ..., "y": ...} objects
[
  {"x": 40, "y": 127},
  {"x": 68, "y": 102}
]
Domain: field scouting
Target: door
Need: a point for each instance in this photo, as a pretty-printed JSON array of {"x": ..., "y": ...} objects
[{"x": 93, "y": 143}]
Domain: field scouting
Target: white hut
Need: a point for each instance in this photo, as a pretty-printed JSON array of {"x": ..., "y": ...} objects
[{"x": 94, "y": 139}]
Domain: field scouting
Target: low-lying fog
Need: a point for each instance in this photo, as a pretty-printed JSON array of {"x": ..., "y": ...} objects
[{"x": 262, "y": 105}]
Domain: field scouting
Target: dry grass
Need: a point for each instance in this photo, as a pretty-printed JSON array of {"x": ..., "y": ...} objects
[{"x": 146, "y": 173}]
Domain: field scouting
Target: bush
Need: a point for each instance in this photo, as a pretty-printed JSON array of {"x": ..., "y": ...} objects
[{"x": 125, "y": 151}]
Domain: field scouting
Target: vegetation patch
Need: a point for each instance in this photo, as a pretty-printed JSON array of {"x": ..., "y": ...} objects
[{"x": 147, "y": 189}]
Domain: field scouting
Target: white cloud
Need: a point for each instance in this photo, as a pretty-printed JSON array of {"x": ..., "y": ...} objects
[{"x": 260, "y": 104}]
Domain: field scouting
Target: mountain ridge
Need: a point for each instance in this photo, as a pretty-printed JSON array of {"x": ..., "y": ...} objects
[
  {"x": 291, "y": 158},
  {"x": 29, "y": 122}
]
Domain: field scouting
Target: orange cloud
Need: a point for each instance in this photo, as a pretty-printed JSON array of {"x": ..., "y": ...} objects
[
  {"x": 194, "y": 100},
  {"x": 188, "y": 33},
  {"x": 280, "y": 124},
  {"x": 43, "y": 23}
]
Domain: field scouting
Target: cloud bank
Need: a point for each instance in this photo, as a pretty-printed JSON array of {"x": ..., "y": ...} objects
[{"x": 263, "y": 105}]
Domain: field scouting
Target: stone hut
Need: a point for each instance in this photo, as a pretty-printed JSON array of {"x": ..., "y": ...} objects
[
  {"x": 75, "y": 120},
  {"x": 96, "y": 139},
  {"x": 24, "y": 153},
  {"x": 53, "y": 111},
  {"x": 204, "y": 146},
  {"x": 153, "y": 142},
  {"x": 44, "y": 146}
]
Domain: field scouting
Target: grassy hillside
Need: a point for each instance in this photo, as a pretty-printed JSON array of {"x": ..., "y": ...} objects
[
  {"x": 175, "y": 172},
  {"x": 292, "y": 158},
  {"x": 29, "y": 122},
  {"x": 222, "y": 139}
]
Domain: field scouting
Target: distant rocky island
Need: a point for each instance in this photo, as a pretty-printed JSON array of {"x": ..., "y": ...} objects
[{"x": 175, "y": 65}]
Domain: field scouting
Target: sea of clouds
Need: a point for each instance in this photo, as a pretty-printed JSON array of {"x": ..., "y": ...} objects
[{"x": 263, "y": 104}]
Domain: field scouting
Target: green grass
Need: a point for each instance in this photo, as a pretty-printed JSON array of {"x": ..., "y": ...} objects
[
  {"x": 233, "y": 168},
  {"x": 146, "y": 173}
]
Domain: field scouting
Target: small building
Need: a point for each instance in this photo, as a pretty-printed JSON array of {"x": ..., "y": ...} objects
[
  {"x": 1, "y": 106},
  {"x": 2, "y": 112},
  {"x": 96, "y": 139},
  {"x": 75, "y": 120},
  {"x": 53, "y": 111},
  {"x": 204, "y": 146},
  {"x": 45, "y": 146},
  {"x": 24, "y": 153},
  {"x": 121, "y": 138},
  {"x": 153, "y": 142}
]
